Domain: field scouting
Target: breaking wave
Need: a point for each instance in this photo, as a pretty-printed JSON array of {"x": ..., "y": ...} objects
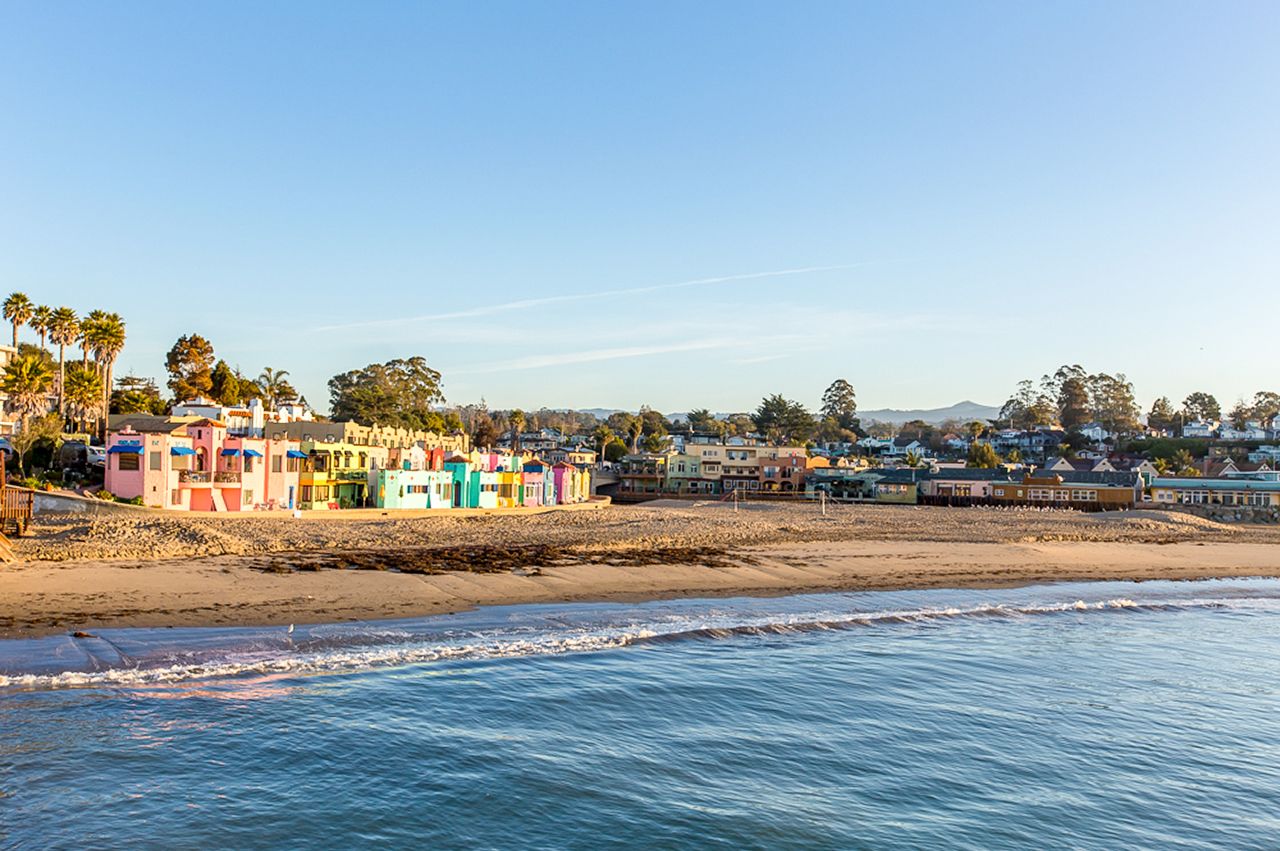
[{"x": 381, "y": 648}]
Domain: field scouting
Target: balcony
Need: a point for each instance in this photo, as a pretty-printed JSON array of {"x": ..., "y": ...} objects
[
  {"x": 226, "y": 477},
  {"x": 193, "y": 477}
]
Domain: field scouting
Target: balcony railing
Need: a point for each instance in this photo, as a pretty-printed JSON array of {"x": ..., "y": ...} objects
[
  {"x": 193, "y": 477},
  {"x": 227, "y": 476}
]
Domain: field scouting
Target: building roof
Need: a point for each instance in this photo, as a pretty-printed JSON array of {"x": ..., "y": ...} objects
[
  {"x": 1232, "y": 484},
  {"x": 1119, "y": 478},
  {"x": 151, "y": 423}
]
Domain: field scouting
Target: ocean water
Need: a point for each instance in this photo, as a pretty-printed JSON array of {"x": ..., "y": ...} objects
[{"x": 1110, "y": 715}]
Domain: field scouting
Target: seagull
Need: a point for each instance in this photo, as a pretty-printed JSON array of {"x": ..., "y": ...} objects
[{"x": 291, "y": 629}]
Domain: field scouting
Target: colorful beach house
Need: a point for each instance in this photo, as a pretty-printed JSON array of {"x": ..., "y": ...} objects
[
  {"x": 414, "y": 489},
  {"x": 534, "y": 484},
  {"x": 572, "y": 483},
  {"x": 191, "y": 463},
  {"x": 338, "y": 474}
]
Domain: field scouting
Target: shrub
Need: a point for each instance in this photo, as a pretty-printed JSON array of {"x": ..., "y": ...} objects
[
  {"x": 105, "y": 494},
  {"x": 137, "y": 500}
]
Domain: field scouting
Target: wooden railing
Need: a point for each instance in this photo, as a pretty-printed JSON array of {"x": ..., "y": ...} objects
[{"x": 15, "y": 508}]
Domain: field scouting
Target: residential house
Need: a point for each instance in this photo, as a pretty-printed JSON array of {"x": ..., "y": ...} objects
[
  {"x": 1200, "y": 428},
  {"x": 1060, "y": 464},
  {"x": 1252, "y": 430}
]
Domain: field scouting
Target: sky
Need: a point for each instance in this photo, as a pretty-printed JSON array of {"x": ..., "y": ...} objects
[{"x": 578, "y": 204}]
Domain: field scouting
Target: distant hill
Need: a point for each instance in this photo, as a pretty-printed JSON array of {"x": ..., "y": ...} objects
[{"x": 963, "y": 411}]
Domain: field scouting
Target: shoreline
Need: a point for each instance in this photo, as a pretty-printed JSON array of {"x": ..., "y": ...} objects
[{"x": 43, "y": 598}]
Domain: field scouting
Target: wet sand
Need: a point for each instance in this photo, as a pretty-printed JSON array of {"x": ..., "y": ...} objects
[{"x": 159, "y": 571}]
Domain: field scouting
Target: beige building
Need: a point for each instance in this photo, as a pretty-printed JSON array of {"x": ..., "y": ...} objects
[{"x": 354, "y": 433}]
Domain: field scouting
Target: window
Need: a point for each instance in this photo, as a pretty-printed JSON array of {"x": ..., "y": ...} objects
[
  {"x": 277, "y": 464},
  {"x": 175, "y": 497},
  {"x": 248, "y": 463},
  {"x": 999, "y": 491},
  {"x": 304, "y": 493},
  {"x": 291, "y": 465},
  {"x": 153, "y": 461},
  {"x": 128, "y": 461},
  {"x": 248, "y": 498}
]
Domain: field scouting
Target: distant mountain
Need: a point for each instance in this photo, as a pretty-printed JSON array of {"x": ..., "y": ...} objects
[{"x": 962, "y": 411}]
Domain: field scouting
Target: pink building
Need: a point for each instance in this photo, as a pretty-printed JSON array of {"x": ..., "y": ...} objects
[
  {"x": 192, "y": 464},
  {"x": 534, "y": 484}
]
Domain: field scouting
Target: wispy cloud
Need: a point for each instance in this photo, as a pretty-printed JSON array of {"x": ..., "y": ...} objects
[
  {"x": 524, "y": 304},
  {"x": 592, "y": 355}
]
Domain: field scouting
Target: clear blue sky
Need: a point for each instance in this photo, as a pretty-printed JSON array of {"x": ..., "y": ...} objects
[{"x": 506, "y": 188}]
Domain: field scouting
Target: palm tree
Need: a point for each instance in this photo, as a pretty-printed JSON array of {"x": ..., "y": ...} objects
[
  {"x": 17, "y": 309},
  {"x": 914, "y": 459},
  {"x": 273, "y": 385},
  {"x": 105, "y": 338},
  {"x": 41, "y": 316},
  {"x": 64, "y": 329},
  {"x": 516, "y": 418},
  {"x": 88, "y": 332},
  {"x": 26, "y": 381},
  {"x": 84, "y": 394}
]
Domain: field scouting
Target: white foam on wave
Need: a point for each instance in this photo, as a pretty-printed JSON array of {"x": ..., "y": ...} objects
[{"x": 550, "y": 643}]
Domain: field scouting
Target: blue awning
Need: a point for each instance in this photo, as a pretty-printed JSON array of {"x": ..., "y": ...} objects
[
  {"x": 252, "y": 453},
  {"x": 126, "y": 449},
  {"x": 293, "y": 453},
  {"x": 181, "y": 450},
  {"x": 227, "y": 452}
]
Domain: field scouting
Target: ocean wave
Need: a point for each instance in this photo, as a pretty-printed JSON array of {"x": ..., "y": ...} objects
[{"x": 410, "y": 650}]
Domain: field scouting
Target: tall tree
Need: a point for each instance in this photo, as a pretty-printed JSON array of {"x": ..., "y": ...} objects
[
  {"x": 1266, "y": 407},
  {"x": 1112, "y": 402},
  {"x": 840, "y": 402},
  {"x": 517, "y": 420},
  {"x": 275, "y": 387},
  {"x": 41, "y": 320},
  {"x": 1201, "y": 406},
  {"x": 105, "y": 337},
  {"x": 84, "y": 394},
  {"x": 602, "y": 435},
  {"x": 635, "y": 430},
  {"x": 224, "y": 385},
  {"x": 783, "y": 420},
  {"x": 190, "y": 367},
  {"x": 1162, "y": 416},
  {"x": 1069, "y": 386},
  {"x": 64, "y": 329},
  {"x": 17, "y": 309},
  {"x": 483, "y": 431}
]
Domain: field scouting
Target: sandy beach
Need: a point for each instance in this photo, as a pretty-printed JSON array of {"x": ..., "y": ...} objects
[{"x": 80, "y": 573}]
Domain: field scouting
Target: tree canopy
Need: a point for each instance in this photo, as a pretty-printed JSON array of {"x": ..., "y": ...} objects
[
  {"x": 400, "y": 392},
  {"x": 190, "y": 367},
  {"x": 783, "y": 420}
]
